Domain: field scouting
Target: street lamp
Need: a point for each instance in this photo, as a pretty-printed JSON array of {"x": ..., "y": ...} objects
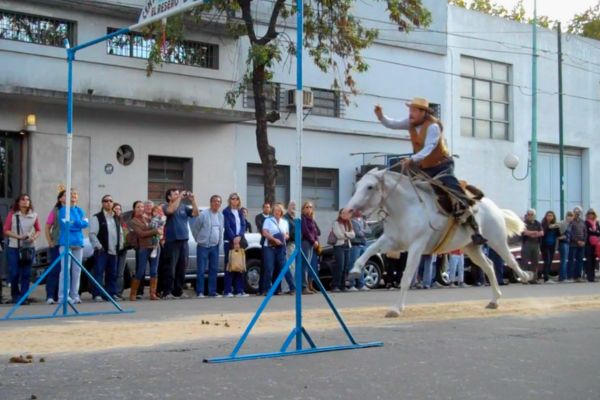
[{"x": 511, "y": 162}]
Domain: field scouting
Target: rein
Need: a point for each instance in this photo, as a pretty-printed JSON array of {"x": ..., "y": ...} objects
[{"x": 383, "y": 213}]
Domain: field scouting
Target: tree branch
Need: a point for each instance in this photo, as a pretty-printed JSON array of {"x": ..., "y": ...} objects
[
  {"x": 248, "y": 20},
  {"x": 271, "y": 32}
]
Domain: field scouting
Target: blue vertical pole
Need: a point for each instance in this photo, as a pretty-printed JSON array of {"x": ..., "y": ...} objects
[
  {"x": 65, "y": 225},
  {"x": 299, "y": 120}
]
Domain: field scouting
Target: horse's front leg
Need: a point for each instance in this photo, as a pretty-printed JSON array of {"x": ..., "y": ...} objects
[
  {"x": 381, "y": 245},
  {"x": 412, "y": 263}
]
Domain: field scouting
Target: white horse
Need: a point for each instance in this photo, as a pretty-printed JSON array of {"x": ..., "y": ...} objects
[{"x": 412, "y": 223}]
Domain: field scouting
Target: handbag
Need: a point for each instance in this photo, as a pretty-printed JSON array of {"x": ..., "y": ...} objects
[
  {"x": 243, "y": 242},
  {"x": 331, "y": 239},
  {"x": 26, "y": 254},
  {"x": 237, "y": 260}
]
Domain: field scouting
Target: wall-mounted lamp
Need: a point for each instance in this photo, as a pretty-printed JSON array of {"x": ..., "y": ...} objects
[
  {"x": 30, "y": 123},
  {"x": 511, "y": 162}
]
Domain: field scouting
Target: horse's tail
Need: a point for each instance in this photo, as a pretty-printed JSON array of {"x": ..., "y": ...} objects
[{"x": 514, "y": 224}]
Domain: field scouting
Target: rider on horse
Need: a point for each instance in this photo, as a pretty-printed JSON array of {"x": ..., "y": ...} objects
[{"x": 431, "y": 156}]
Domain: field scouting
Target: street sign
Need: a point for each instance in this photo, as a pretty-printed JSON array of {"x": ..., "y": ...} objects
[{"x": 155, "y": 10}]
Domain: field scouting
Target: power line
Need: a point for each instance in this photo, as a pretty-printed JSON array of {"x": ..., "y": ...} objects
[{"x": 520, "y": 87}]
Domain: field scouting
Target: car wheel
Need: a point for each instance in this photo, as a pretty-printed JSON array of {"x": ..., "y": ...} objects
[
  {"x": 252, "y": 276},
  {"x": 372, "y": 274}
]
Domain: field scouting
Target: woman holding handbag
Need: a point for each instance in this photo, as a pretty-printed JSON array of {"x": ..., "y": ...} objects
[
  {"x": 233, "y": 236},
  {"x": 592, "y": 243},
  {"x": 22, "y": 227},
  {"x": 343, "y": 232}
]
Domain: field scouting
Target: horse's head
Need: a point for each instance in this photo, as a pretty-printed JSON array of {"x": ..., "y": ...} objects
[{"x": 369, "y": 191}]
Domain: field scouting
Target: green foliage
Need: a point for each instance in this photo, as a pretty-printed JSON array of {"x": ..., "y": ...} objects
[
  {"x": 587, "y": 23},
  {"x": 517, "y": 13},
  {"x": 333, "y": 37}
]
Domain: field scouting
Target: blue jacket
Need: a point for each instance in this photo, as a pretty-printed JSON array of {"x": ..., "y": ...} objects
[
  {"x": 229, "y": 222},
  {"x": 78, "y": 223}
]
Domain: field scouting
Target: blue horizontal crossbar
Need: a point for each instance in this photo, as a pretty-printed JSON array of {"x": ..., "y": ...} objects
[
  {"x": 278, "y": 354},
  {"x": 78, "y": 314}
]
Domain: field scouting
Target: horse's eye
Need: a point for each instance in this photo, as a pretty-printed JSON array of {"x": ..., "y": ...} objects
[{"x": 370, "y": 187}]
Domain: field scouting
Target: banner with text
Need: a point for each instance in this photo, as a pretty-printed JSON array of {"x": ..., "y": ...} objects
[{"x": 155, "y": 10}]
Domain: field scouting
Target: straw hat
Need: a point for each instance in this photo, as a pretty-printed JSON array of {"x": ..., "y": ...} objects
[{"x": 420, "y": 103}]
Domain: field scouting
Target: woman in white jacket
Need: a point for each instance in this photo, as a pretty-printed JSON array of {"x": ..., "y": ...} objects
[{"x": 342, "y": 229}]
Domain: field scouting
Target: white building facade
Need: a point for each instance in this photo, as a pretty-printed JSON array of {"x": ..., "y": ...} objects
[{"x": 137, "y": 136}]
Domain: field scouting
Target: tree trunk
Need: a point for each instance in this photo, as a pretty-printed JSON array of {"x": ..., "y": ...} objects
[{"x": 265, "y": 150}]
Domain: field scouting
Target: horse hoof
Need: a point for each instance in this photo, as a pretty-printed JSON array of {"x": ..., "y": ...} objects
[
  {"x": 392, "y": 314},
  {"x": 492, "y": 306}
]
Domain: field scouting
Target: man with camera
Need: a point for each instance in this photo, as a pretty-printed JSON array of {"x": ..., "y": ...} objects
[{"x": 176, "y": 239}]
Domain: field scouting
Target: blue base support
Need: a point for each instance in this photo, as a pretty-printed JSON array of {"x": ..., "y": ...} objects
[
  {"x": 277, "y": 354},
  {"x": 65, "y": 305},
  {"x": 298, "y": 332}
]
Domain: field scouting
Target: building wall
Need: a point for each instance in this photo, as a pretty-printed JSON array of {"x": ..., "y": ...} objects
[
  {"x": 402, "y": 66},
  {"x": 496, "y": 39}
]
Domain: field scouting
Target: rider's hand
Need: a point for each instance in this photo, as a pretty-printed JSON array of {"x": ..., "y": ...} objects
[
  {"x": 378, "y": 111},
  {"x": 405, "y": 162}
]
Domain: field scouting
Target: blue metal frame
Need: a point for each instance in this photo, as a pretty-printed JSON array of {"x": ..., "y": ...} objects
[
  {"x": 64, "y": 304},
  {"x": 65, "y": 224},
  {"x": 298, "y": 331}
]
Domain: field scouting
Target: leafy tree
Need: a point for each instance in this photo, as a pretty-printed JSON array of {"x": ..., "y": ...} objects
[
  {"x": 587, "y": 23},
  {"x": 333, "y": 37},
  {"x": 517, "y": 13}
]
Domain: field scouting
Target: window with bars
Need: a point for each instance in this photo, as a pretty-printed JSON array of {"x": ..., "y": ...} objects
[
  {"x": 137, "y": 45},
  {"x": 168, "y": 172},
  {"x": 327, "y": 103},
  {"x": 272, "y": 93},
  {"x": 484, "y": 98},
  {"x": 36, "y": 29},
  {"x": 320, "y": 186},
  {"x": 255, "y": 185}
]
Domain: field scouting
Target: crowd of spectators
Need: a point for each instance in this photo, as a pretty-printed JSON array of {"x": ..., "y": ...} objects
[{"x": 159, "y": 235}]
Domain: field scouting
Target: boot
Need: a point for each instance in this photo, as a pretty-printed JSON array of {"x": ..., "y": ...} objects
[
  {"x": 153, "y": 283},
  {"x": 311, "y": 288},
  {"x": 134, "y": 288},
  {"x": 477, "y": 238}
]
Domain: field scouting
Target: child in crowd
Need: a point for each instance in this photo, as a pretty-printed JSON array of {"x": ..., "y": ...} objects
[{"x": 157, "y": 221}]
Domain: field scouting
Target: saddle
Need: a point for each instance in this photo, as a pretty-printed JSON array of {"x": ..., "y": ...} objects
[{"x": 455, "y": 204}]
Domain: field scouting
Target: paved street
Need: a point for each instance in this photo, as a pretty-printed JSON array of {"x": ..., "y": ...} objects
[{"x": 554, "y": 356}]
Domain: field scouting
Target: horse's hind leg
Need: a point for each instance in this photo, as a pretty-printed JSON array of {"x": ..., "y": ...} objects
[
  {"x": 504, "y": 251},
  {"x": 476, "y": 255}
]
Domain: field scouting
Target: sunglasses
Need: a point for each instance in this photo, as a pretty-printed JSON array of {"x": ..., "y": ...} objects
[
  {"x": 234, "y": 198},
  {"x": 107, "y": 201}
]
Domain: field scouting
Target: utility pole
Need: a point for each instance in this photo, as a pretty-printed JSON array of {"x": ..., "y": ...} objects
[
  {"x": 534, "y": 144},
  {"x": 561, "y": 147}
]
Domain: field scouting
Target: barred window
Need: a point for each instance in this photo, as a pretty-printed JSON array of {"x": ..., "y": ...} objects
[
  {"x": 168, "y": 172},
  {"x": 36, "y": 29},
  {"x": 137, "y": 45},
  {"x": 272, "y": 93},
  {"x": 484, "y": 98},
  {"x": 327, "y": 103},
  {"x": 255, "y": 185},
  {"x": 320, "y": 185}
]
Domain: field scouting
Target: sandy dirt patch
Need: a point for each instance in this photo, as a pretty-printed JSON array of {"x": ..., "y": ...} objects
[{"x": 78, "y": 336}]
